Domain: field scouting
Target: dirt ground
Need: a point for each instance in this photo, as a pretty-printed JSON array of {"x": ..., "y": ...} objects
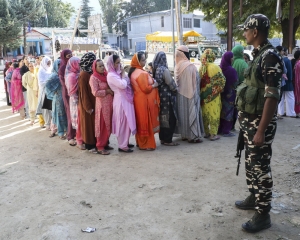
[{"x": 50, "y": 190}]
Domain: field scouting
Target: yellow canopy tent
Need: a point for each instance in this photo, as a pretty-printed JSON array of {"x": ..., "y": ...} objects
[{"x": 167, "y": 36}]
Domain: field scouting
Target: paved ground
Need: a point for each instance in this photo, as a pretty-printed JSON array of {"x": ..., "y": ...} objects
[{"x": 50, "y": 190}]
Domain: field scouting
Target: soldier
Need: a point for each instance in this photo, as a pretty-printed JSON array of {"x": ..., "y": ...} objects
[{"x": 257, "y": 100}]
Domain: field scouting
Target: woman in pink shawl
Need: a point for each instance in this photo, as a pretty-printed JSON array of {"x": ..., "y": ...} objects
[
  {"x": 71, "y": 80},
  {"x": 123, "y": 120},
  {"x": 103, "y": 107},
  {"x": 297, "y": 82},
  {"x": 65, "y": 55},
  {"x": 17, "y": 99}
]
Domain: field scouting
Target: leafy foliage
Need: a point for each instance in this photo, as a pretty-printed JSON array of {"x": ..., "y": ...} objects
[
  {"x": 85, "y": 14},
  {"x": 57, "y": 14},
  {"x": 9, "y": 26},
  {"x": 216, "y": 11},
  {"x": 110, "y": 9}
]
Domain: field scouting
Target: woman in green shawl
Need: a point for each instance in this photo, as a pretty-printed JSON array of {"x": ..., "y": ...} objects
[{"x": 239, "y": 63}]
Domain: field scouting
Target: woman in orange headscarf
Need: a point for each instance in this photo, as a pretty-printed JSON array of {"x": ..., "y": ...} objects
[{"x": 146, "y": 103}]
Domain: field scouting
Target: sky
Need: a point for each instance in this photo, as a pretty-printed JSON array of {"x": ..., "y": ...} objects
[{"x": 93, "y": 3}]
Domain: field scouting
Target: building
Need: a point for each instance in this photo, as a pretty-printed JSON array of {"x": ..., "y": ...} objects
[{"x": 139, "y": 26}]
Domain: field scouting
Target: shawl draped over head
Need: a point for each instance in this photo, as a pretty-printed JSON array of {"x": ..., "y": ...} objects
[
  {"x": 239, "y": 63},
  {"x": 111, "y": 65},
  {"x": 64, "y": 60},
  {"x": 86, "y": 62},
  {"x": 44, "y": 71},
  {"x": 185, "y": 73},
  {"x": 72, "y": 74},
  {"x": 159, "y": 66},
  {"x": 228, "y": 71},
  {"x": 53, "y": 84},
  {"x": 135, "y": 63},
  {"x": 212, "y": 78},
  {"x": 111, "y": 68},
  {"x": 101, "y": 76}
]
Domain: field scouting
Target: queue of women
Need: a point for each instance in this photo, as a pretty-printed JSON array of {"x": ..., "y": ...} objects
[{"x": 82, "y": 101}]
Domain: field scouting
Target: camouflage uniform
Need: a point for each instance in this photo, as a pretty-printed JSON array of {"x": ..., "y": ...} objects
[{"x": 266, "y": 67}]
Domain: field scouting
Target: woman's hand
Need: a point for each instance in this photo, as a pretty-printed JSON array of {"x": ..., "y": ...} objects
[
  {"x": 90, "y": 111},
  {"x": 109, "y": 91}
]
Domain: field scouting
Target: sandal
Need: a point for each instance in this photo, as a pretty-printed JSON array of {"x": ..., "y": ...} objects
[
  {"x": 81, "y": 147},
  {"x": 206, "y": 135},
  {"x": 62, "y": 137},
  {"x": 214, "y": 138},
  {"x": 72, "y": 142},
  {"x": 108, "y": 147},
  {"x": 103, "y": 152},
  {"x": 195, "y": 141},
  {"x": 52, "y": 135},
  {"x": 170, "y": 144},
  {"x": 93, "y": 150}
]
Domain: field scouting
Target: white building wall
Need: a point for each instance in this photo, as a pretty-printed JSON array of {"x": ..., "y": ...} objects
[{"x": 149, "y": 23}]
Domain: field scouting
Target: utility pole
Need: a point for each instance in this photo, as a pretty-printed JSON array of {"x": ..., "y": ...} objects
[
  {"x": 229, "y": 26},
  {"x": 75, "y": 27},
  {"x": 179, "y": 22},
  {"x": 173, "y": 29}
]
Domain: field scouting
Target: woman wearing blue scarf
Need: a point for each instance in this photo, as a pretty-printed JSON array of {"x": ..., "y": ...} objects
[{"x": 54, "y": 92}]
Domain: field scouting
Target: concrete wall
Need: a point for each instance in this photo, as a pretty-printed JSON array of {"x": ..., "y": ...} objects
[{"x": 138, "y": 27}]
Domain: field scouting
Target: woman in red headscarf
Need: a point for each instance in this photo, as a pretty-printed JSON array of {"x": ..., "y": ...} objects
[
  {"x": 103, "y": 107},
  {"x": 146, "y": 103}
]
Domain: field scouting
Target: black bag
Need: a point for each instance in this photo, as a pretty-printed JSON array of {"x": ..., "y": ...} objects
[{"x": 47, "y": 104}]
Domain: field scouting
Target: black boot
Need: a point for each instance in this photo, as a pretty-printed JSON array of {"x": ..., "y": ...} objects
[
  {"x": 247, "y": 204},
  {"x": 257, "y": 223}
]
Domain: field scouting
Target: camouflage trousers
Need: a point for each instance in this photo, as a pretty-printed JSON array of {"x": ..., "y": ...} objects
[{"x": 257, "y": 160}]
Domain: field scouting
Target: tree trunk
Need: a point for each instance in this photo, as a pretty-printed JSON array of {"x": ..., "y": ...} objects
[
  {"x": 1, "y": 51},
  {"x": 24, "y": 35},
  {"x": 285, "y": 31}
]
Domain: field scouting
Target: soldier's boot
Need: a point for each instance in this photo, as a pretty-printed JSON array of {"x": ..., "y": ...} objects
[
  {"x": 257, "y": 223},
  {"x": 247, "y": 204}
]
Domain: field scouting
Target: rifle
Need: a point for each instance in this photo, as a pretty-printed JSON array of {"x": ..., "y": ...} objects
[{"x": 239, "y": 148}]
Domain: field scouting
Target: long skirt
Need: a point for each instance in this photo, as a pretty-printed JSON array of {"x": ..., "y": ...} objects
[{"x": 211, "y": 116}]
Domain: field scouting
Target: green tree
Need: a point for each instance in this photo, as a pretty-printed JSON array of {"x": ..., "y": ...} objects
[
  {"x": 160, "y": 5},
  {"x": 85, "y": 14},
  {"x": 57, "y": 14},
  {"x": 216, "y": 11},
  {"x": 9, "y": 28},
  {"x": 25, "y": 11},
  {"x": 110, "y": 10}
]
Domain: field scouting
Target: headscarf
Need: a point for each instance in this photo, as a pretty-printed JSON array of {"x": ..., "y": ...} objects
[
  {"x": 185, "y": 73},
  {"x": 53, "y": 83},
  {"x": 228, "y": 71},
  {"x": 135, "y": 63},
  {"x": 86, "y": 62},
  {"x": 111, "y": 65},
  {"x": 72, "y": 74},
  {"x": 111, "y": 69},
  {"x": 159, "y": 66},
  {"x": 207, "y": 60},
  {"x": 102, "y": 77},
  {"x": 212, "y": 78},
  {"x": 63, "y": 61},
  {"x": 239, "y": 63},
  {"x": 44, "y": 72}
]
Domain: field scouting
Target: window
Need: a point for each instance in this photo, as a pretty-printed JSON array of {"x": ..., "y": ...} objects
[
  {"x": 130, "y": 43},
  {"x": 187, "y": 23},
  {"x": 129, "y": 25},
  {"x": 162, "y": 21},
  {"x": 196, "y": 23}
]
